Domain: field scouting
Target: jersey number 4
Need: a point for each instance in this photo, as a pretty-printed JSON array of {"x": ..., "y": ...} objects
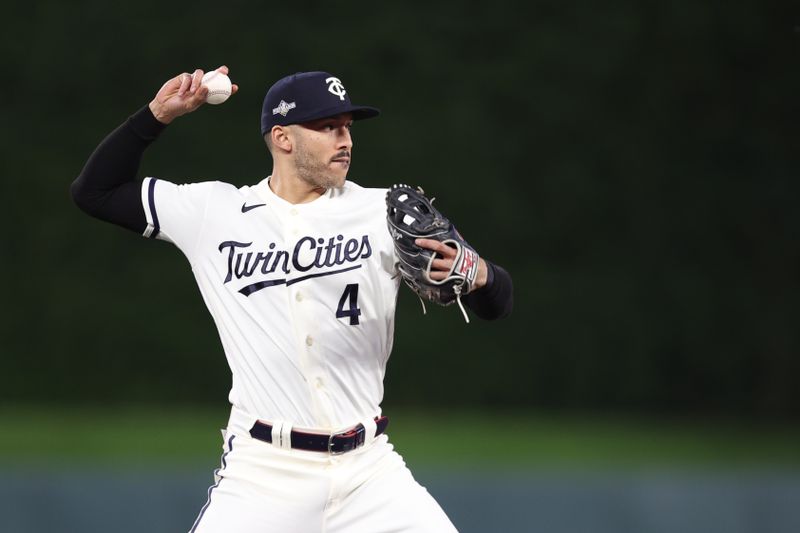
[{"x": 350, "y": 294}]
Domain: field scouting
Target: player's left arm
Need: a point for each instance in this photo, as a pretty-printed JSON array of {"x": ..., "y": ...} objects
[{"x": 492, "y": 293}]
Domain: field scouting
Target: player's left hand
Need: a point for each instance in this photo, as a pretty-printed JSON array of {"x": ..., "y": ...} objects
[{"x": 441, "y": 267}]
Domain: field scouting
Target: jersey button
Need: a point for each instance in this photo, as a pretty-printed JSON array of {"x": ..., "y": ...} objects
[
  {"x": 299, "y": 296},
  {"x": 318, "y": 383},
  {"x": 309, "y": 340},
  {"x": 293, "y": 212}
]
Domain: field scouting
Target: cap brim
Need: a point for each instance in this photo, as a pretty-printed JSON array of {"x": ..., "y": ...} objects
[
  {"x": 359, "y": 112},
  {"x": 362, "y": 112}
]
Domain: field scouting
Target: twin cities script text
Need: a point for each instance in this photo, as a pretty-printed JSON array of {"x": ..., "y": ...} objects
[{"x": 308, "y": 253}]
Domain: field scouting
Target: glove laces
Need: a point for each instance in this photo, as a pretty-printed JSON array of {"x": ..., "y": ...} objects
[{"x": 457, "y": 290}]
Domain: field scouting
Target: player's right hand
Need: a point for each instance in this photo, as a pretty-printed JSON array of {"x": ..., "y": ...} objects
[{"x": 182, "y": 94}]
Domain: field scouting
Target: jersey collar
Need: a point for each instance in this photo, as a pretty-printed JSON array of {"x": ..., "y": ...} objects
[{"x": 265, "y": 193}]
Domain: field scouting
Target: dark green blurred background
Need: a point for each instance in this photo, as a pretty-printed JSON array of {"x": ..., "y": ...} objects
[{"x": 633, "y": 167}]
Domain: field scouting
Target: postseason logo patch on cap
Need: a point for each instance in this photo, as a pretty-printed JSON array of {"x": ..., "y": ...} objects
[{"x": 283, "y": 108}]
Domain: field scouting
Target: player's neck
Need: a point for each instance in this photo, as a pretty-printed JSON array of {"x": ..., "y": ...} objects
[{"x": 293, "y": 189}]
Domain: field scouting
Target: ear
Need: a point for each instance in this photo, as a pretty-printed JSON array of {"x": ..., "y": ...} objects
[{"x": 281, "y": 138}]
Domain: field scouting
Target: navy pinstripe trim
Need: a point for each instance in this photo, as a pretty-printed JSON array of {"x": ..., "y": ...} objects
[
  {"x": 152, "y": 205},
  {"x": 214, "y": 486}
]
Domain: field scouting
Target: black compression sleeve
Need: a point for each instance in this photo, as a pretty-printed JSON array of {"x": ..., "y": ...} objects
[
  {"x": 107, "y": 187},
  {"x": 496, "y": 298}
]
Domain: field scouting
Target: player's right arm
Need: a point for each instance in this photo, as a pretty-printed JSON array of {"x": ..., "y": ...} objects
[{"x": 107, "y": 188}]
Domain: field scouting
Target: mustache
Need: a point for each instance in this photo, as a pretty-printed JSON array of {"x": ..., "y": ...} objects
[{"x": 341, "y": 155}]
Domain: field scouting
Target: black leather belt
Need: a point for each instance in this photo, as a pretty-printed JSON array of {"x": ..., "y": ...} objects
[{"x": 334, "y": 444}]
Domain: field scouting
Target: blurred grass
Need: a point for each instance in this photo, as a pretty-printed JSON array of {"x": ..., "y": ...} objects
[{"x": 178, "y": 437}]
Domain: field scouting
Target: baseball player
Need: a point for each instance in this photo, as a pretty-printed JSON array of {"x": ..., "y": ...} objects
[{"x": 299, "y": 273}]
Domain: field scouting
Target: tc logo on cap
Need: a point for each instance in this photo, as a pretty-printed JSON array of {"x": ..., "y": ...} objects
[{"x": 336, "y": 87}]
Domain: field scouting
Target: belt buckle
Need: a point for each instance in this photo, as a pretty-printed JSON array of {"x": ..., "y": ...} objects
[{"x": 356, "y": 438}]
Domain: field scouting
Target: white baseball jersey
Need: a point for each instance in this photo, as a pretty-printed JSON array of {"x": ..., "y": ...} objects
[{"x": 303, "y": 295}]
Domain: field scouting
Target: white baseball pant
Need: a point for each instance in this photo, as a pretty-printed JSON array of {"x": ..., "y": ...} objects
[{"x": 262, "y": 488}]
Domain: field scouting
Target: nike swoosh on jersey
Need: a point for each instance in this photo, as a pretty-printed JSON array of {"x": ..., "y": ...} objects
[{"x": 246, "y": 208}]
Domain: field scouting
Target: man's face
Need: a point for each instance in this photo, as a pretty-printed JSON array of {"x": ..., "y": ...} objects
[{"x": 323, "y": 149}]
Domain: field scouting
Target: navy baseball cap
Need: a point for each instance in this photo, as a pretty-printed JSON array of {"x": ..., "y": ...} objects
[{"x": 306, "y": 96}]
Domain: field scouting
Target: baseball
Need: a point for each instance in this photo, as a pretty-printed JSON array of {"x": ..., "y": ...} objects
[{"x": 219, "y": 87}]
